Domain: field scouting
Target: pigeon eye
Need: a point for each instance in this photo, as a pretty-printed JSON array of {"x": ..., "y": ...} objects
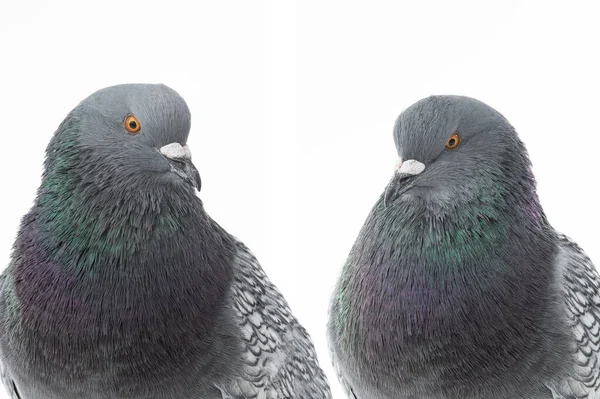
[
  {"x": 453, "y": 141},
  {"x": 132, "y": 125}
]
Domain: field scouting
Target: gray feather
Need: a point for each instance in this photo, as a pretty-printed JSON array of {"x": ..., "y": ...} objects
[
  {"x": 457, "y": 286},
  {"x": 581, "y": 288},
  {"x": 122, "y": 286},
  {"x": 279, "y": 357}
]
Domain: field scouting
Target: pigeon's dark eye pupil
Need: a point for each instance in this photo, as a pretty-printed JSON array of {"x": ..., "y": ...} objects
[
  {"x": 453, "y": 141},
  {"x": 131, "y": 124}
]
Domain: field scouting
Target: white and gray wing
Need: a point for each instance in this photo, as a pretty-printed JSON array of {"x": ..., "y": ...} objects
[
  {"x": 341, "y": 378},
  {"x": 9, "y": 384},
  {"x": 279, "y": 357},
  {"x": 582, "y": 298}
]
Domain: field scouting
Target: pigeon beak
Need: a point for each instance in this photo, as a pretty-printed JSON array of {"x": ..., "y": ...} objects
[
  {"x": 180, "y": 159},
  {"x": 404, "y": 171}
]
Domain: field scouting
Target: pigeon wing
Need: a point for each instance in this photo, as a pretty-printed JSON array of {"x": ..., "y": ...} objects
[
  {"x": 582, "y": 299},
  {"x": 279, "y": 357}
]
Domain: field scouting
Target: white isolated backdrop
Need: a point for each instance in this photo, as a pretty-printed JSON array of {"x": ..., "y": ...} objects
[{"x": 293, "y": 107}]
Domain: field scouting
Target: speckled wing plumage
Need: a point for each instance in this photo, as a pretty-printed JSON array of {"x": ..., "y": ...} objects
[
  {"x": 279, "y": 357},
  {"x": 6, "y": 379},
  {"x": 582, "y": 298},
  {"x": 9, "y": 384},
  {"x": 341, "y": 378}
]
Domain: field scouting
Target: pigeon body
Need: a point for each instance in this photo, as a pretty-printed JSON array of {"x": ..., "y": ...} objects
[
  {"x": 120, "y": 284},
  {"x": 457, "y": 286}
]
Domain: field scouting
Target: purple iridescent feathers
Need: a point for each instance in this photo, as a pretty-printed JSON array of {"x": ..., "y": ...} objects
[
  {"x": 120, "y": 284},
  {"x": 458, "y": 287}
]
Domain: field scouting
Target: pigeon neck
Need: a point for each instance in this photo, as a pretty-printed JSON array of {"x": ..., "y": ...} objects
[
  {"x": 121, "y": 261},
  {"x": 414, "y": 269},
  {"x": 94, "y": 229}
]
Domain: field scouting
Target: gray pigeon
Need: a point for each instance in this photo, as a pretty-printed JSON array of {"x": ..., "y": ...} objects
[
  {"x": 120, "y": 284},
  {"x": 457, "y": 286}
]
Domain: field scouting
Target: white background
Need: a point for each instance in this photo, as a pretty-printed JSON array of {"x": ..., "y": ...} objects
[{"x": 293, "y": 107}]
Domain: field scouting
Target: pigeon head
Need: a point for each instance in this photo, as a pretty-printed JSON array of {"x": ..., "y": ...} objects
[
  {"x": 124, "y": 134},
  {"x": 452, "y": 147}
]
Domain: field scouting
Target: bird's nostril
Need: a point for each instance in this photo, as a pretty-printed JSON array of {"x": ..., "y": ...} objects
[{"x": 411, "y": 167}]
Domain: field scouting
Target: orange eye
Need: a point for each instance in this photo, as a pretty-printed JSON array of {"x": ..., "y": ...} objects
[
  {"x": 132, "y": 125},
  {"x": 453, "y": 141}
]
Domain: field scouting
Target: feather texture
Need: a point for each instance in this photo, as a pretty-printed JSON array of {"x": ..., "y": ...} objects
[
  {"x": 582, "y": 299},
  {"x": 457, "y": 286},
  {"x": 122, "y": 286},
  {"x": 279, "y": 358}
]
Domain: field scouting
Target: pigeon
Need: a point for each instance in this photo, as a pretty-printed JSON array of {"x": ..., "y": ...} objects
[
  {"x": 120, "y": 285},
  {"x": 457, "y": 285}
]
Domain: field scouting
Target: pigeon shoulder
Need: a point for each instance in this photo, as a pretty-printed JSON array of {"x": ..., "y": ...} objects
[
  {"x": 278, "y": 354},
  {"x": 581, "y": 293},
  {"x": 11, "y": 388}
]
